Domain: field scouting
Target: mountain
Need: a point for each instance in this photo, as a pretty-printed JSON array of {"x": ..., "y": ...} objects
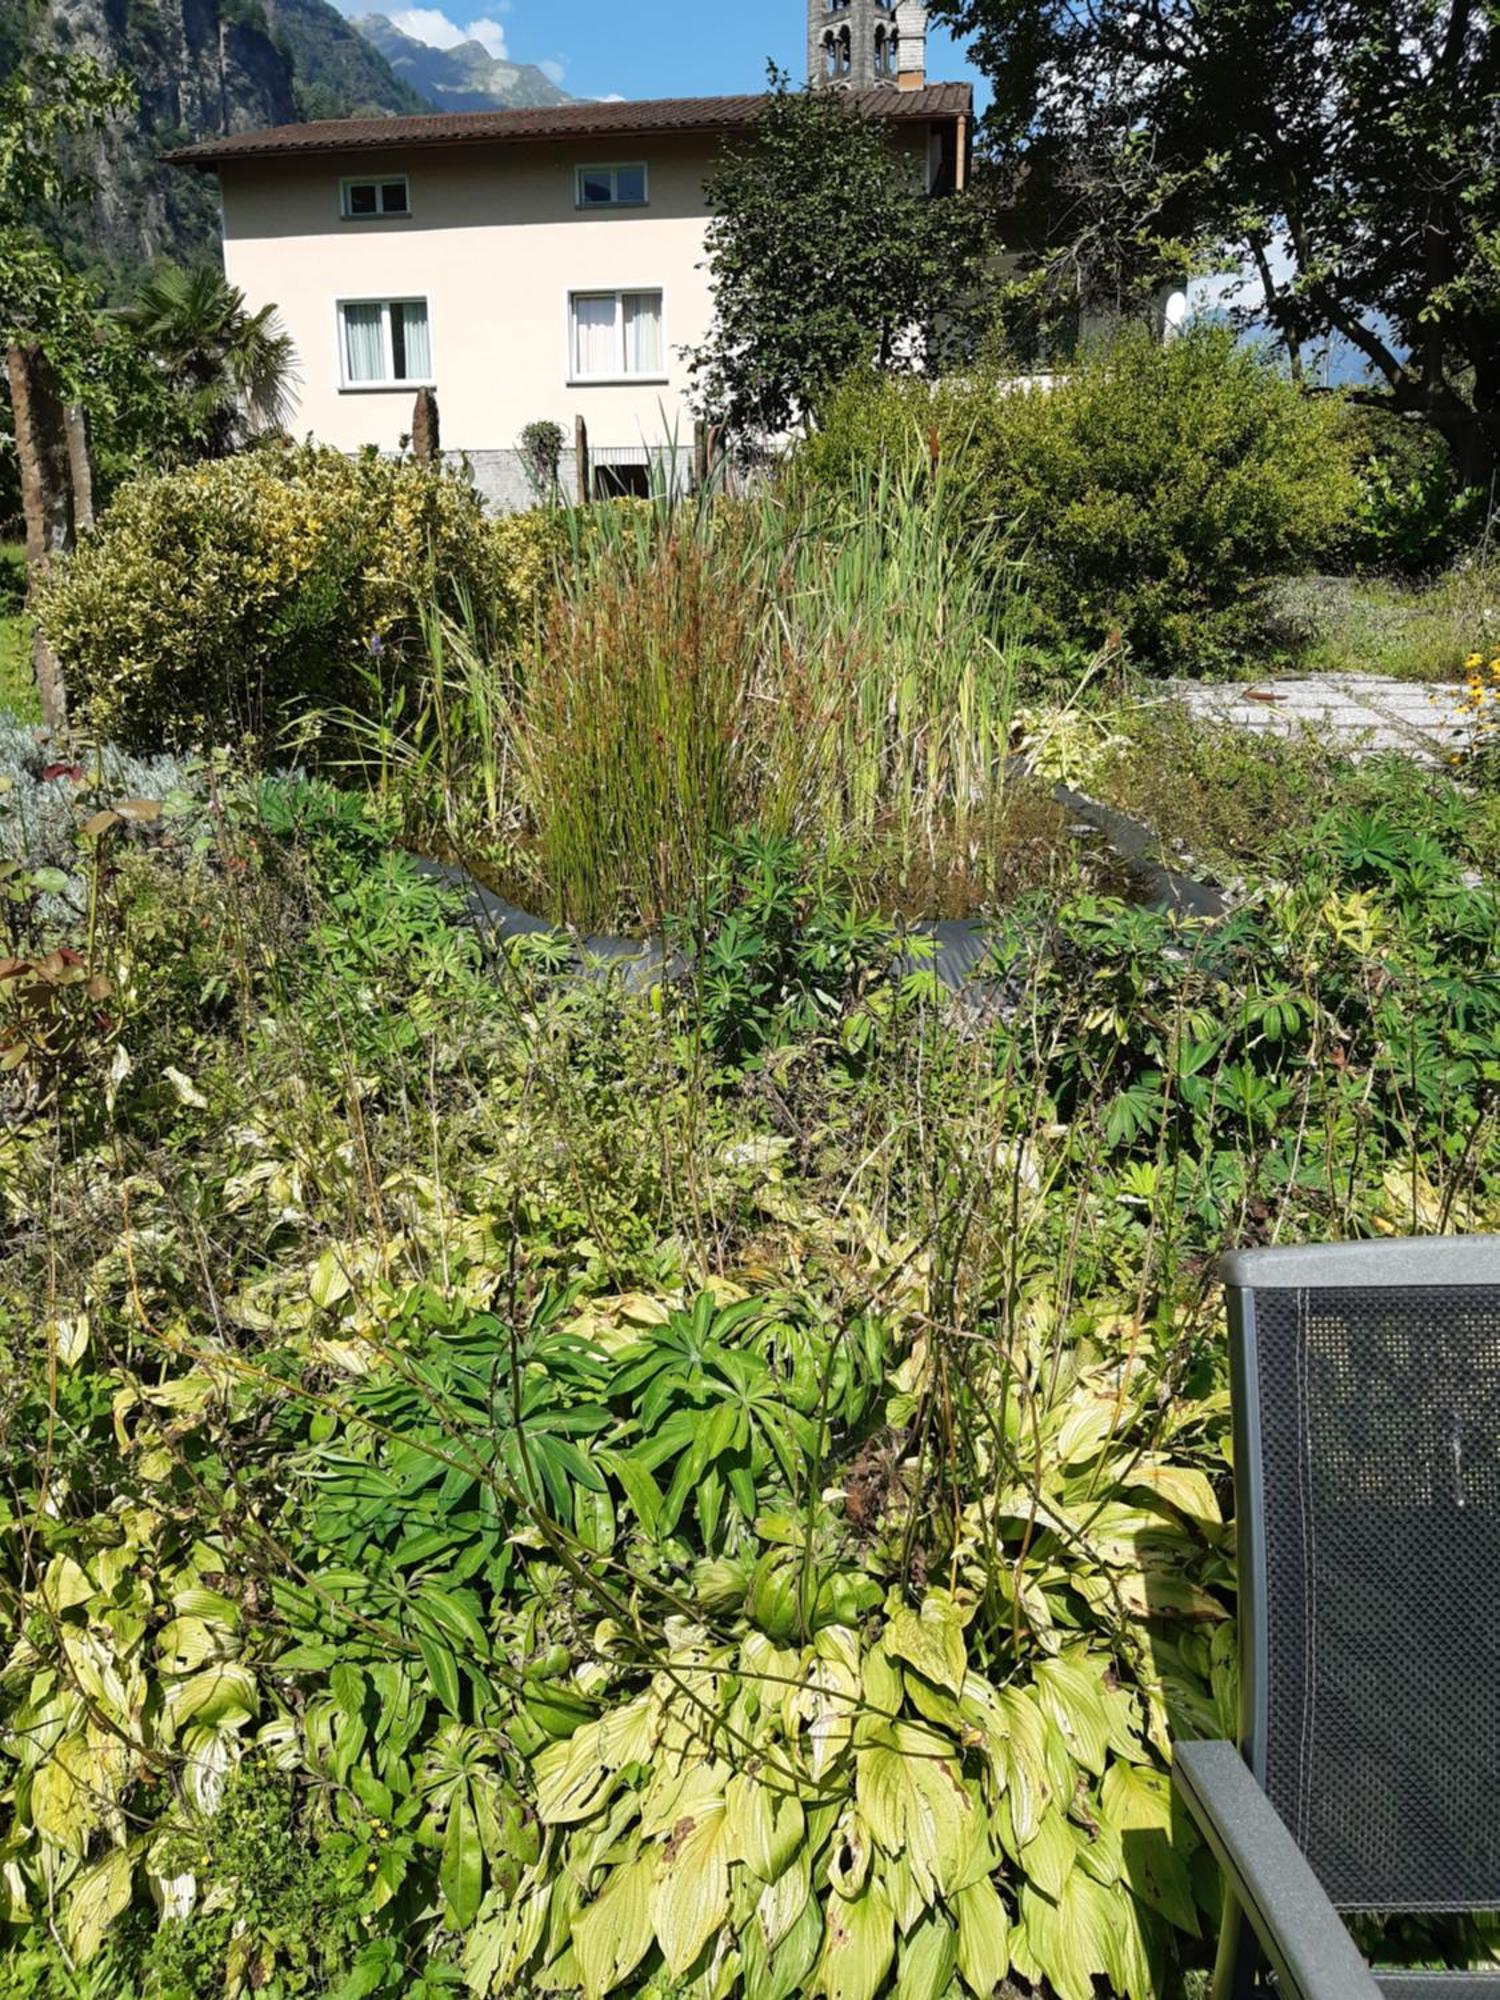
[
  {"x": 466, "y": 78},
  {"x": 201, "y": 68}
]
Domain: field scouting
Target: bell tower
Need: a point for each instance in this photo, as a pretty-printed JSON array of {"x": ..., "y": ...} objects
[{"x": 866, "y": 44}]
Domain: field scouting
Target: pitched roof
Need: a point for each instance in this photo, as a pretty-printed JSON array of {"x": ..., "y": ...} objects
[{"x": 640, "y": 118}]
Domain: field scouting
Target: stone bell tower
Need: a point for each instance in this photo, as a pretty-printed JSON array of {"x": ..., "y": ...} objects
[{"x": 866, "y": 44}]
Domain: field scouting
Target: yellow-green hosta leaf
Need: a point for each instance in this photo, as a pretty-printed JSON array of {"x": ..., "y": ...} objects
[
  {"x": 66, "y": 1796},
  {"x": 328, "y": 1281},
  {"x": 221, "y": 1697},
  {"x": 983, "y": 1938},
  {"x": 1133, "y": 1798},
  {"x": 781, "y": 1902},
  {"x": 1049, "y": 1855},
  {"x": 1137, "y": 1804},
  {"x": 1070, "y": 1940},
  {"x": 99, "y": 1895},
  {"x": 931, "y": 1640},
  {"x": 613, "y": 1935},
  {"x": 576, "y": 1776},
  {"x": 925, "y": 1969},
  {"x": 1183, "y": 1487},
  {"x": 1028, "y": 1787},
  {"x": 690, "y": 1896},
  {"x": 184, "y": 1644},
  {"x": 1071, "y": 1691},
  {"x": 765, "y": 1824},
  {"x": 780, "y": 1971},
  {"x": 914, "y": 1802},
  {"x": 849, "y": 1856},
  {"x": 858, "y": 1947}
]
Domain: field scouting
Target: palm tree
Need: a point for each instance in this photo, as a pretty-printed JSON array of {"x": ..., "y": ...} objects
[{"x": 234, "y": 368}]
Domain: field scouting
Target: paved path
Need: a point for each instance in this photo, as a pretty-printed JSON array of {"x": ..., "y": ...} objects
[{"x": 1362, "y": 712}]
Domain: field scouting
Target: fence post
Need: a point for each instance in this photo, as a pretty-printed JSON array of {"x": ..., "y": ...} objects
[{"x": 581, "y": 458}]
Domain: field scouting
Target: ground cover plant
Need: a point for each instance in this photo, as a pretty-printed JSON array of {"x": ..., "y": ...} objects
[{"x": 516, "y": 1488}]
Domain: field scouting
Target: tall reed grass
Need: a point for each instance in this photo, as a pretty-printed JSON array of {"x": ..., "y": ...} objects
[{"x": 841, "y": 671}]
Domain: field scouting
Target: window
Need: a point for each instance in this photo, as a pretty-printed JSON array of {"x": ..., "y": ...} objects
[
  {"x": 611, "y": 187},
  {"x": 616, "y": 336},
  {"x": 384, "y": 343},
  {"x": 361, "y": 201}
]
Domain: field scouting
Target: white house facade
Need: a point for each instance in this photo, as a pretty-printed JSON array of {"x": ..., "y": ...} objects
[{"x": 523, "y": 265}]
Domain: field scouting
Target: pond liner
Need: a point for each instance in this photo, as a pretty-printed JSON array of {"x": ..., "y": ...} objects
[{"x": 954, "y": 949}]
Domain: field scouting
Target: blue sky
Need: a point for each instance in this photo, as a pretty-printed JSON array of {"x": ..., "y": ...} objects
[{"x": 673, "y": 48}]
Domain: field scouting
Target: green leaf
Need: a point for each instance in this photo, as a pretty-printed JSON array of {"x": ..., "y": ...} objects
[
  {"x": 931, "y": 1640},
  {"x": 859, "y": 1946},
  {"x": 455, "y": 1615},
  {"x": 613, "y": 1935},
  {"x": 461, "y": 1873},
  {"x": 442, "y": 1673},
  {"x": 983, "y": 1938}
]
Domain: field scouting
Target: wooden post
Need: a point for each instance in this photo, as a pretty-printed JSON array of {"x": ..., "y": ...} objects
[
  {"x": 581, "y": 460},
  {"x": 700, "y": 454},
  {"x": 46, "y": 501},
  {"x": 424, "y": 428}
]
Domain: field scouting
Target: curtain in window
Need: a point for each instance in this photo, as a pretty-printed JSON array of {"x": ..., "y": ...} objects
[
  {"x": 596, "y": 336},
  {"x": 364, "y": 344},
  {"x": 643, "y": 355},
  {"x": 414, "y": 344}
]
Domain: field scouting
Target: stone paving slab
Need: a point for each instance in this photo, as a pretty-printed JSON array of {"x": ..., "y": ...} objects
[{"x": 1362, "y": 713}]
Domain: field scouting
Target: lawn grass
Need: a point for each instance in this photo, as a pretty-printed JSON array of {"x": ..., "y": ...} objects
[
  {"x": 1373, "y": 625},
  {"x": 17, "y": 688}
]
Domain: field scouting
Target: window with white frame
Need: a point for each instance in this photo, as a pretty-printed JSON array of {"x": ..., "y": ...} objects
[
  {"x": 384, "y": 343},
  {"x": 616, "y": 336},
  {"x": 611, "y": 187},
  {"x": 363, "y": 201}
]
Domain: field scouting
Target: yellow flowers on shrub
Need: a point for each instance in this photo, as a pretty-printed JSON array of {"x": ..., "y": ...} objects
[{"x": 243, "y": 592}]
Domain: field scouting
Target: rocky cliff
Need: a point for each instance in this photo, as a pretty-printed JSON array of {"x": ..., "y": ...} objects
[
  {"x": 201, "y": 68},
  {"x": 465, "y": 78}
]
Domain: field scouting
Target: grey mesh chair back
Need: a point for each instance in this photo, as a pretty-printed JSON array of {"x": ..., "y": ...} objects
[{"x": 1367, "y": 1470}]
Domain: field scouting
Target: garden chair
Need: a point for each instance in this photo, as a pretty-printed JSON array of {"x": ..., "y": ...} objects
[{"x": 1366, "y": 1382}]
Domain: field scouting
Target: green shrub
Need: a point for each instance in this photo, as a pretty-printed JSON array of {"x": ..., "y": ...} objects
[
  {"x": 1412, "y": 517},
  {"x": 1157, "y": 487},
  {"x": 12, "y": 579},
  {"x": 248, "y": 591}
]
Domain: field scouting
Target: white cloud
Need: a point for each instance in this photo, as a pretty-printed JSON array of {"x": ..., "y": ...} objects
[
  {"x": 552, "y": 70},
  {"x": 432, "y": 26},
  {"x": 491, "y": 35}
]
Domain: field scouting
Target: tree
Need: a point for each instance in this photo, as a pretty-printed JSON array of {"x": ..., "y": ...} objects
[
  {"x": 826, "y": 254},
  {"x": 1347, "y": 151},
  {"x": 46, "y": 316},
  {"x": 232, "y": 369}
]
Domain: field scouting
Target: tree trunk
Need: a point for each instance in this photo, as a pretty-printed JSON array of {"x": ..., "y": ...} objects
[
  {"x": 80, "y": 468},
  {"x": 46, "y": 502}
]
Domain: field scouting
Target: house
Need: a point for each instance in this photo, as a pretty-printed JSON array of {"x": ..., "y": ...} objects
[{"x": 526, "y": 265}]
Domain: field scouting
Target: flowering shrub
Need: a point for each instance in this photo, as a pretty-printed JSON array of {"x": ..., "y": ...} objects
[{"x": 242, "y": 592}]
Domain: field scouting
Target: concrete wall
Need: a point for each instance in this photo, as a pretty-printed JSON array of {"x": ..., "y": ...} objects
[{"x": 495, "y": 244}]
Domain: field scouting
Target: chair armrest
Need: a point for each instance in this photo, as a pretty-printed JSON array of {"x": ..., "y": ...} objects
[{"x": 1302, "y": 1935}]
